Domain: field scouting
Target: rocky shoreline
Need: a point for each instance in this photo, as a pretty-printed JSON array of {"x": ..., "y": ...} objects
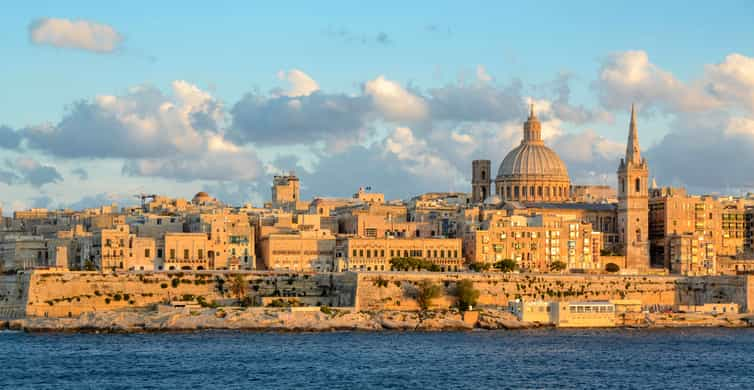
[{"x": 282, "y": 320}]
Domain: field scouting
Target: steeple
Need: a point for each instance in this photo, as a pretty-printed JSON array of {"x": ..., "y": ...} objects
[
  {"x": 633, "y": 153},
  {"x": 532, "y": 128}
]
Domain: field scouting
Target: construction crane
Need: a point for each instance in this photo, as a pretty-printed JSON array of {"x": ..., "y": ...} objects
[{"x": 144, "y": 198}]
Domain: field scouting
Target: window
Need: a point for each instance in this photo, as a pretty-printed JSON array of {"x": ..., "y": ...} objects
[
  {"x": 361, "y": 253},
  {"x": 369, "y": 253},
  {"x": 172, "y": 254},
  {"x": 200, "y": 253},
  {"x": 159, "y": 253},
  {"x": 354, "y": 253},
  {"x": 147, "y": 253},
  {"x": 637, "y": 184},
  {"x": 382, "y": 253},
  {"x": 442, "y": 253},
  {"x": 185, "y": 254},
  {"x": 484, "y": 175}
]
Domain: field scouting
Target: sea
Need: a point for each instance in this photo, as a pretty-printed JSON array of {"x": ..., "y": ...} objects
[{"x": 529, "y": 359}]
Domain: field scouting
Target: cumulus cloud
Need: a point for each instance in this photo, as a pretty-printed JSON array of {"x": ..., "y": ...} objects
[
  {"x": 180, "y": 135},
  {"x": 301, "y": 83},
  {"x": 9, "y": 138},
  {"x": 395, "y": 102},
  {"x": 75, "y": 34},
  {"x": 477, "y": 102},
  {"x": 627, "y": 77},
  {"x": 732, "y": 80},
  {"x": 283, "y": 120},
  {"x": 708, "y": 152},
  {"x": 25, "y": 170}
]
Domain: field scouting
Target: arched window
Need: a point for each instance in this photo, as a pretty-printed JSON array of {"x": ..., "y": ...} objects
[
  {"x": 484, "y": 175},
  {"x": 539, "y": 191},
  {"x": 531, "y": 191},
  {"x": 508, "y": 192},
  {"x": 515, "y": 192},
  {"x": 638, "y": 185}
]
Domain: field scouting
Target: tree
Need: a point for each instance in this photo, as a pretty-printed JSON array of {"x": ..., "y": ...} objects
[
  {"x": 426, "y": 291},
  {"x": 89, "y": 266},
  {"x": 413, "y": 263},
  {"x": 237, "y": 287},
  {"x": 557, "y": 266},
  {"x": 479, "y": 267},
  {"x": 612, "y": 267},
  {"x": 466, "y": 293},
  {"x": 506, "y": 265}
]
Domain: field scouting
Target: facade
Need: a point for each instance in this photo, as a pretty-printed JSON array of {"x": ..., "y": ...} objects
[
  {"x": 186, "y": 251},
  {"x": 304, "y": 251},
  {"x": 589, "y": 314},
  {"x": 532, "y": 172},
  {"x": 633, "y": 188},
  {"x": 534, "y": 242},
  {"x": 691, "y": 254},
  {"x": 374, "y": 254}
]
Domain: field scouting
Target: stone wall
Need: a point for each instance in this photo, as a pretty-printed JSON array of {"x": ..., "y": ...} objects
[
  {"x": 393, "y": 291},
  {"x": 717, "y": 289},
  {"x": 61, "y": 294},
  {"x": 13, "y": 293}
]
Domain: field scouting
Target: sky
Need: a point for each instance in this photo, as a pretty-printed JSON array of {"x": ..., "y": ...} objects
[{"x": 102, "y": 102}]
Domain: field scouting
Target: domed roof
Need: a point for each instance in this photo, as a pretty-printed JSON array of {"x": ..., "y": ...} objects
[
  {"x": 532, "y": 159},
  {"x": 201, "y": 194}
]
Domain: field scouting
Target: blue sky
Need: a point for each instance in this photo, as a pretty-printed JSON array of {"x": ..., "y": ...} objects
[{"x": 229, "y": 49}]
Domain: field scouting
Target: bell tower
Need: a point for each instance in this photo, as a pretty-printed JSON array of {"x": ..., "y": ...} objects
[
  {"x": 633, "y": 206},
  {"x": 480, "y": 180}
]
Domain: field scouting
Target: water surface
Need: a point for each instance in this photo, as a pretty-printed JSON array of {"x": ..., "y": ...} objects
[{"x": 671, "y": 359}]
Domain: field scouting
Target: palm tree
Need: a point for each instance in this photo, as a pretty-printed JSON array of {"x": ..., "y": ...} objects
[{"x": 238, "y": 287}]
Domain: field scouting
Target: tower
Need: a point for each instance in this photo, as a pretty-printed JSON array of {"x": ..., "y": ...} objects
[
  {"x": 480, "y": 180},
  {"x": 285, "y": 191},
  {"x": 633, "y": 207}
]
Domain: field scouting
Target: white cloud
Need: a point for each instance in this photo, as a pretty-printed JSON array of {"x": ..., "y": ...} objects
[
  {"x": 75, "y": 34},
  {"x": 394, "y": 101},
  {"x": 301, "y": 83},
  {"x": 732, "y": 80},
  {"x": 628, "y": 77}
]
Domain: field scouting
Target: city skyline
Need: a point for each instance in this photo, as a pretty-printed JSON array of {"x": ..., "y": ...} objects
[{"x": 108, "y": 104}]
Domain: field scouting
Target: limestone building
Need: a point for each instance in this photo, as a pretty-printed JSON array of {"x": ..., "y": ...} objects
[{"x": 633, "y": 197}]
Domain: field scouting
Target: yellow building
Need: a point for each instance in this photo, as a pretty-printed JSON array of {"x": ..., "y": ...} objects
[
  {"x": 589, "y": 314},
  {"x": 532, "y": 311},
  {"x": 299, "y": 251},
  {"x": 186, "y": 251},
  {"x": 374, "y": 254}
]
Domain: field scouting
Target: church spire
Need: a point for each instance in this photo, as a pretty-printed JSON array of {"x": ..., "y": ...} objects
[
  {"x": 531, "y": 111},
  {"x": 633, "y": 153}
]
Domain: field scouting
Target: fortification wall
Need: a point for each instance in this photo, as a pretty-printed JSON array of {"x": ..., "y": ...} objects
[
  {"x": 393, "y": 291},
  {"x": 61, "y": 294},
  {"x": 717, "y": 289},
  {"x": 13, "y": 293}
]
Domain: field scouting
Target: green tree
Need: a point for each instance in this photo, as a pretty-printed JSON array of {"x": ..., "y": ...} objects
[
  {"x": 237, "y": 287},
  {"x": 426, "y": 291},
  {"x": 466, "y": 293},
  {"x": 479, "y": 267},
  {"x": 412, "y": 263},
  {"x": 557, "y": 266},
  {"x": 506, "y": 265},
  {"x": 612, "y": 267}
]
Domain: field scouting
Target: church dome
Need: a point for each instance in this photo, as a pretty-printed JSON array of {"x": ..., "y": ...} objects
[
  {"x": 532, "y": 160},
  {"x": 532, "y": 172}
]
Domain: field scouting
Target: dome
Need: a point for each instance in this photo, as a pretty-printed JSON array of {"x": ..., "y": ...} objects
[
  {"x": 532, "y": 172},
  {"x": 531, "y": 159},
  {"x": 201, "y": 194}
]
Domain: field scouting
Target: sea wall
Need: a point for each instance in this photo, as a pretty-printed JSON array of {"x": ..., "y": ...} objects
[
  {"x": 391, "y": 291},
  {"x": 68, "y": 294},
  {"x": 46, "y": 293}
]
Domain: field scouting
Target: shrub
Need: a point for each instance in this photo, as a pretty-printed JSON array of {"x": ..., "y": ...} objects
[
  {"x": 506, "y": 265},
  {"x": 164, "y": 285},
  {"x": 557, "y": 266},
  {"x": 326, "y": 310},
  {"x": 479, "y": 267},
  {"x": 612, "y": 267},
  {"x": 126, "y": 297},
  {"x": 381, "y": 282},
  {"x": 175, "y": 282},
  {"x": 107, "y": 301},
  {"x": 413, "y": 263},
  {"x": 117, "y": 297},
  {"x": 466, "y": 293},
  {"x": 97, "y": 293},
  {"x": 426, "y": 291}
]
